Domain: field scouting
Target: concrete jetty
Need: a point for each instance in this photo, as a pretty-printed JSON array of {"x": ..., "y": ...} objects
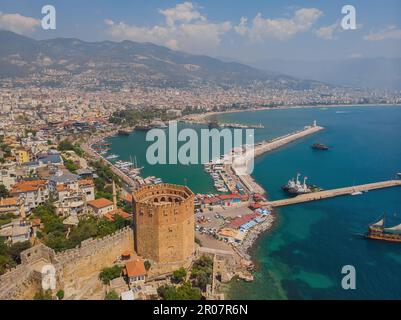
[
  {"x": 315, "y": 196},
  {"x": 271, "y": 145},
  {"x": 267, "y": 146}
]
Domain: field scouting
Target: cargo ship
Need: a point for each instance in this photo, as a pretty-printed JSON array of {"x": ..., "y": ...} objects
[
  {"x": 378, "y": 231},
  {"x": 319, "y": 146},
  {"x": 295, "y": 187}
]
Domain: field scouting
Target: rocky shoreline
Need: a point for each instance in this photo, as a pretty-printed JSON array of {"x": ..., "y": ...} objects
[{"x": 244, "y": 248}]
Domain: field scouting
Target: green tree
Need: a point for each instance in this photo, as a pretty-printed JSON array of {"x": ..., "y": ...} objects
[
  {"x": 187, "y": 292},
  {"x": 6, "y": 218},
  {"x": 43, "y": 295},
  {"x": 147, "y": 265},
  {"x": 70, "y": 165},
  {"x": 183, "y": 292},
  {"x": 167, "y": 292},
  {"x": 108, "y": 274},
  {"x": 202, "y": 270},
  {"x": 4, "y": 192},
  {"x": 16, "y": 249},
  {"x": 112, "y": 295},
  {"x": 65, "y": 145},
  {"x": 60, "y": 294},
  {"x": 179, "y": 275}
]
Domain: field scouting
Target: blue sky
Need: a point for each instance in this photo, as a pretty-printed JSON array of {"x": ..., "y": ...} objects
[{"x": 249, "y": 31}]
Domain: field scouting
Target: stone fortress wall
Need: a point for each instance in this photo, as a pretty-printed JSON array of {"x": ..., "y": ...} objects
[
  {"x": 164, "y": 235},
  {"x": 73, "y": 267}
]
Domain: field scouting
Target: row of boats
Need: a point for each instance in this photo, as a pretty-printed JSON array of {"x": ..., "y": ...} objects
[
  {"x": 215, "y": 170},
  {"x": 132, "y": 170},
  {"x": 153, "y": 125},
  {"x": 128, "y": 167}
]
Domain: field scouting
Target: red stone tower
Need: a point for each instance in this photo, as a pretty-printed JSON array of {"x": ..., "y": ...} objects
[{"x": 164, "y": 223}]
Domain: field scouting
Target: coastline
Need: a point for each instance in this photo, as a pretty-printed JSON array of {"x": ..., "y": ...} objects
[
  {"x": 254, "y": 234},
  {"x": 206, "y": 116}
]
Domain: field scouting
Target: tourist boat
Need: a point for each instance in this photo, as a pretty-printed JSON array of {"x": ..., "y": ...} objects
[
  {"x": 213, "y": 125},
  {"x": 158, "y": 124},
  {"x": 295, "y": 187},
  {"x": 123, "y": 133},
  {"x": 319, "y": 146},
  {"x": 378, "y": 231},
  {"x": 112, "y": 156},
  {"x": 143, "y": 128}
]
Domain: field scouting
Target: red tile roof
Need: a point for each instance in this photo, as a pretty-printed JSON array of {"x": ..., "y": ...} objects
[
  {"x": 62, "y": 187},
  {"x": 238, "y": 222},
  {"x": 9, "y": 202},
  {"x": 135, "y": 268},
  {"x": 100, "y": 203},
  {"x": 86, "y": 182},
  {"x": 121, "y": 213},
  {"x": 229, "y": 196},
  {"x": 255, "y": 205},
  {"x": 27, "y": 186},
  {"x": 211, "y": 200}
]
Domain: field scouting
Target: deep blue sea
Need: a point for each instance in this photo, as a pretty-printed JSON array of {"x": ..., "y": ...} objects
[{"x": 302, "y": 257}]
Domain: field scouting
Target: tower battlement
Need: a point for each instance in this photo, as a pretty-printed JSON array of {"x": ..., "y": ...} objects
[{"x": 164, "y": 222}]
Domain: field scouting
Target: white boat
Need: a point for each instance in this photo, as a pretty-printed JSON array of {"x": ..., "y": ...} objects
[
  {"x": 112, "y": 156},
  {"x": 357, "y": 193}
]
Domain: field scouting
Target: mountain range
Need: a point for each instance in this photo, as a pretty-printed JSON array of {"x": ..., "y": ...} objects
[
  {"x": 356, "y": 72},
  {"x": 63, "y": 59}
]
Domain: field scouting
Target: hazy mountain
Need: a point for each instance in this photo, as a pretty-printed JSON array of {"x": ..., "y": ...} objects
[
  {"x": 381, "y": 73},
  {"x": 127, "y": 61}
]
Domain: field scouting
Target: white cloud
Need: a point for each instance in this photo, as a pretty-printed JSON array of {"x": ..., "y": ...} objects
[
  {"x": 18, "y": 23},
  {"x": 184, "y": 29},
  {"x": 391, "y": 32},
  {"x": 242, "y": 28},
  {"x": 281, "y": 28},
  {"x": 327, "y": 32},
  {"x": 183, "y": 12}
]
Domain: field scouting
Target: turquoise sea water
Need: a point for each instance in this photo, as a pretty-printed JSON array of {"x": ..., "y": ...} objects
[{"x": 303, "y": 256}]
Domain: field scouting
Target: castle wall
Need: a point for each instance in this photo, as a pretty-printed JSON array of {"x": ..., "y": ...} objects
[{"x": 73, "y": 267}]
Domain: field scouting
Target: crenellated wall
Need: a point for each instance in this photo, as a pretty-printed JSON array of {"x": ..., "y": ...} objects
[{"x": 73, "y": 267}]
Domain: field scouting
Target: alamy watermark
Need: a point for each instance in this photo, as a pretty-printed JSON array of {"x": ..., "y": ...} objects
[
  {"x": 348, "y": 282},
  {"x": 348, "y": 22},
  {"x": 237, "y": 150},
  {"x": 49, "y": 19}
]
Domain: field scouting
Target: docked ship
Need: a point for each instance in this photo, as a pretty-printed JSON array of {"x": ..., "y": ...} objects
[
  {"x": 213, "y": 125},
  {"x": 123, "y": 133},
  {"x": 143, "y": 128},
  {"x": 158, "y": 124},
  {"x": 378, "y": 231},
  {"x": 319, "y": 146},
  {"x": 295, "y": 187}
]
